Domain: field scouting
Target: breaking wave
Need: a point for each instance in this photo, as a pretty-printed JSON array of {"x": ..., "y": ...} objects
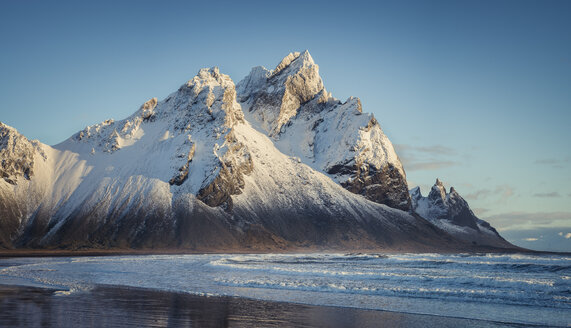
[{"x": 513, "y": 288}]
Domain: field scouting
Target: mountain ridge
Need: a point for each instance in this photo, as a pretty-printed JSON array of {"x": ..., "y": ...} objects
[{"x": 273, "y": 163}]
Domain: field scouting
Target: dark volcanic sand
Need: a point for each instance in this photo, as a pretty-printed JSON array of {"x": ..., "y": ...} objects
[{"x": 131, "y": 307}]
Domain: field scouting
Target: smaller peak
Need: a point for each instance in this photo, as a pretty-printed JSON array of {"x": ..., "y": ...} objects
[
  {"x": 8, "y": 128},
  {"x": 454, "y": 194},
  {"x": 306, "y": 57},
  {"x": 150, "y": 104},
  {"x": 210, "y": 77},
  {"x": 209, "y": 72},
  {"x": 437, "y": 192},
  {"x": 286, "y": 61},
  {"x": 253, "y": 81},
  {"x": 415, "y": 191},
  {"x": 300, "y": 59}
]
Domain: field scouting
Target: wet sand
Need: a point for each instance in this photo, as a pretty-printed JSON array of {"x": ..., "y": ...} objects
[{"x": 106, "y": 306}]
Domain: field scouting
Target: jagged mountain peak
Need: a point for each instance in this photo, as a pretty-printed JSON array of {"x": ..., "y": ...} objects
[
  {"x": 275, "y": 97},
  {"x": 291, "y": 105},
  {"x": 438, "y": 192},
  {"x": 294, "y": 61},
  {"x": 208, "y": 100},
  {"x": 210, "y": 77},
  {"x": 450, "y": 212}
]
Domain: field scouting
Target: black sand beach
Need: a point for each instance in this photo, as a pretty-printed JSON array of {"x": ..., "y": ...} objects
[{"x": 107, "y": 306}]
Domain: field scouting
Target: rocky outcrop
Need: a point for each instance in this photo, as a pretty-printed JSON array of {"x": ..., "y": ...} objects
[
  {"x": 383, "y": 186},
  {"x": 229, "y": 179},
  {"x": 17, "y": 155}
]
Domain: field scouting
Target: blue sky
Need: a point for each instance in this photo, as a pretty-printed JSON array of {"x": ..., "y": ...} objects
[{"x": 477, "y": 93}]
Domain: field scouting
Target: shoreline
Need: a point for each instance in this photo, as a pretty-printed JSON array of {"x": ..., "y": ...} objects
[
  {"x": 13, "y": 253},
  {"x": 118, "y": 306}
]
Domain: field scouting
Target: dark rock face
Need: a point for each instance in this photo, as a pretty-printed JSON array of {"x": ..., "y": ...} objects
[
  {"x": 459, "y": 211},
  {"x": 236, "y": 163},
  {"x": 182, "y": 174},
  {"x": 386, "y": 186}
]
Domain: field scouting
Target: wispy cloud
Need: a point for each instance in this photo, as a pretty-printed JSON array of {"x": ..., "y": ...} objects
[
  {"x": 555, "y": 162},
  {"x": 479, "y": 211},
  {"x": 478, "y": 194},
  {"x": 428, "y": 165},
  {"x": 434, "y": 149},
  {"x": 529, "y": 221},
  {"x": 505, "y": 192},
  {"x": 502, "y": 192},
  {"x": 418, "y": 158},
  {"x": 553, "y": 194}
]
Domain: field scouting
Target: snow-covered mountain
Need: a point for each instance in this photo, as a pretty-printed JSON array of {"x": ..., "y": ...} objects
[
  {"x": 451, "y": 213},
  {"x": 274, "y": 163}
]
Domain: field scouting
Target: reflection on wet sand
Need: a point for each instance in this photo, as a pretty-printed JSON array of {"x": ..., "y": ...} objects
[{"x": 129, "y": 307}]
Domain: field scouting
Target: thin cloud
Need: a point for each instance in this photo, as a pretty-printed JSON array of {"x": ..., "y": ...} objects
[
  {"x": 531, "y": 239},
  {"x": 553, "y": 194},
  {"x": 503, "y": 192},
  {"x": 428, "y": 165},
  {"x": 479, "y": 194},
  {"x": 529, "y": 221},
  {"x": 418, "y": 158},
  {"x": 479, "y": 211},
  {"x": 554, "y": 162},
  {"x": 435, "y": 149}
]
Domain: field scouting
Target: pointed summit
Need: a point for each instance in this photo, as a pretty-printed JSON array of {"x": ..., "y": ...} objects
[
  {"x": 294, "y": 61},
  {"x": 276, "y": 96},
  {"x": 438, "y": 192}
]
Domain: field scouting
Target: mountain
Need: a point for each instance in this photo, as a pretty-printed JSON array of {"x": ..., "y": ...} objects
[
  {"x": 451, "y": 213},
  {"x": 274, "y": 163}
]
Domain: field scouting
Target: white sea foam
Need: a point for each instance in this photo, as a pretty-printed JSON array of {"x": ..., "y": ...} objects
[{"x": 517, "y": 288}]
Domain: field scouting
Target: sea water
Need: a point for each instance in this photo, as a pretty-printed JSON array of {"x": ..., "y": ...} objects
[{"x": 519, "y": 289}]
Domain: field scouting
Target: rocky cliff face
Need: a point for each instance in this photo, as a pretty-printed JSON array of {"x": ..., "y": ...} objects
[
  {"x": 450, "y": 212},
  {"x": 290, "y": 104}
]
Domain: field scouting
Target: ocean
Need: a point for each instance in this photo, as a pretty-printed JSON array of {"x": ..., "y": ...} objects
[{"x": 517, "y": 289}]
